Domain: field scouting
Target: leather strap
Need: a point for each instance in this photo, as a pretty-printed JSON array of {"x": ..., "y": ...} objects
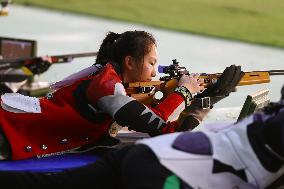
[{"x": 205, "y": 102}]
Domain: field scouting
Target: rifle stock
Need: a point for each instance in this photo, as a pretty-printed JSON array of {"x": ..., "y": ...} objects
[
  {"x": 251, "y": 78},
  {"x": 143, "y": 91}
]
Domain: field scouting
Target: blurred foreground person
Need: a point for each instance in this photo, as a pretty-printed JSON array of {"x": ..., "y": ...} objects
[{"x": 247, "y": 155}]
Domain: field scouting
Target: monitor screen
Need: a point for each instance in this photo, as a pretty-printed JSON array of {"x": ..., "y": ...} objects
[{"x": 17, "y": 48}]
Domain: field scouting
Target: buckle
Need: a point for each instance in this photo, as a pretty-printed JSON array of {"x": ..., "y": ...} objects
[{"x": 205, "y": 103}]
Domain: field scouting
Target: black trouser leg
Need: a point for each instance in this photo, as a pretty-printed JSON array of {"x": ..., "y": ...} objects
[{"x": 142, "y": 170}]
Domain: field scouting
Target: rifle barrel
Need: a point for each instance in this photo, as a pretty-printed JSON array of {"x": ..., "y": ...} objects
[
  {"x": 271, "y": 72},
  {"x": 18, "y": 62},
  {"x": 78, "y": 55},
  {"x": 276, "y": 72}
]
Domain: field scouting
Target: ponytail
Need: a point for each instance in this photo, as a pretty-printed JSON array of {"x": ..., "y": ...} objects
[{"x": 105, "y": 51}]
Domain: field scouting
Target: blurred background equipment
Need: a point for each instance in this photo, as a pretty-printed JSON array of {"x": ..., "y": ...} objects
[
  {"x": 19, "y": 66},
  {"x": 13, "y": 79},
  {"x": 4, "y": 7},
  {"x": 19, "y": 79},
  {"x": 40, "y": 64},
  {"x": 16, "y": 48}
]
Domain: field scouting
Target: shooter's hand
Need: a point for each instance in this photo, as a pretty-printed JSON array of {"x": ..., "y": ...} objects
[
  {"x": 192, "y": 83},
  {"x": 225, "y": 84}
]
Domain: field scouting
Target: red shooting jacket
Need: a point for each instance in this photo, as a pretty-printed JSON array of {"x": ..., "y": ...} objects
[{"x": 61, "y": 127}]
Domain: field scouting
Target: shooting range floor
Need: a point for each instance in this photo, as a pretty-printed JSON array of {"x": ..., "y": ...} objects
[{"x": 64, "y": 33}]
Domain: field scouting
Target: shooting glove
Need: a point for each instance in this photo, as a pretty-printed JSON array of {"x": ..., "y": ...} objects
[
  {"x": 192, "y": 116},
  {"x": 225, "y": 84},
  {"x": 38, "y": 66}
]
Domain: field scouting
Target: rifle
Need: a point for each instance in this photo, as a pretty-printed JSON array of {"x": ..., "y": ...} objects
[
  {"x": 37, "y": 65},
  {"x": 28, "y": 61},
  {"x": 151, "y": 93}
]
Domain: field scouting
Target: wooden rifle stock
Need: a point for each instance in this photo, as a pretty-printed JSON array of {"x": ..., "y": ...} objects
[
  {"x": 249, "y": 78},
  {"x": 145, "y": 92}
]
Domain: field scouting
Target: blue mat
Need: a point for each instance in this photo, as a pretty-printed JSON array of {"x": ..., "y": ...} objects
[{"x": 50, "y": 164}]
